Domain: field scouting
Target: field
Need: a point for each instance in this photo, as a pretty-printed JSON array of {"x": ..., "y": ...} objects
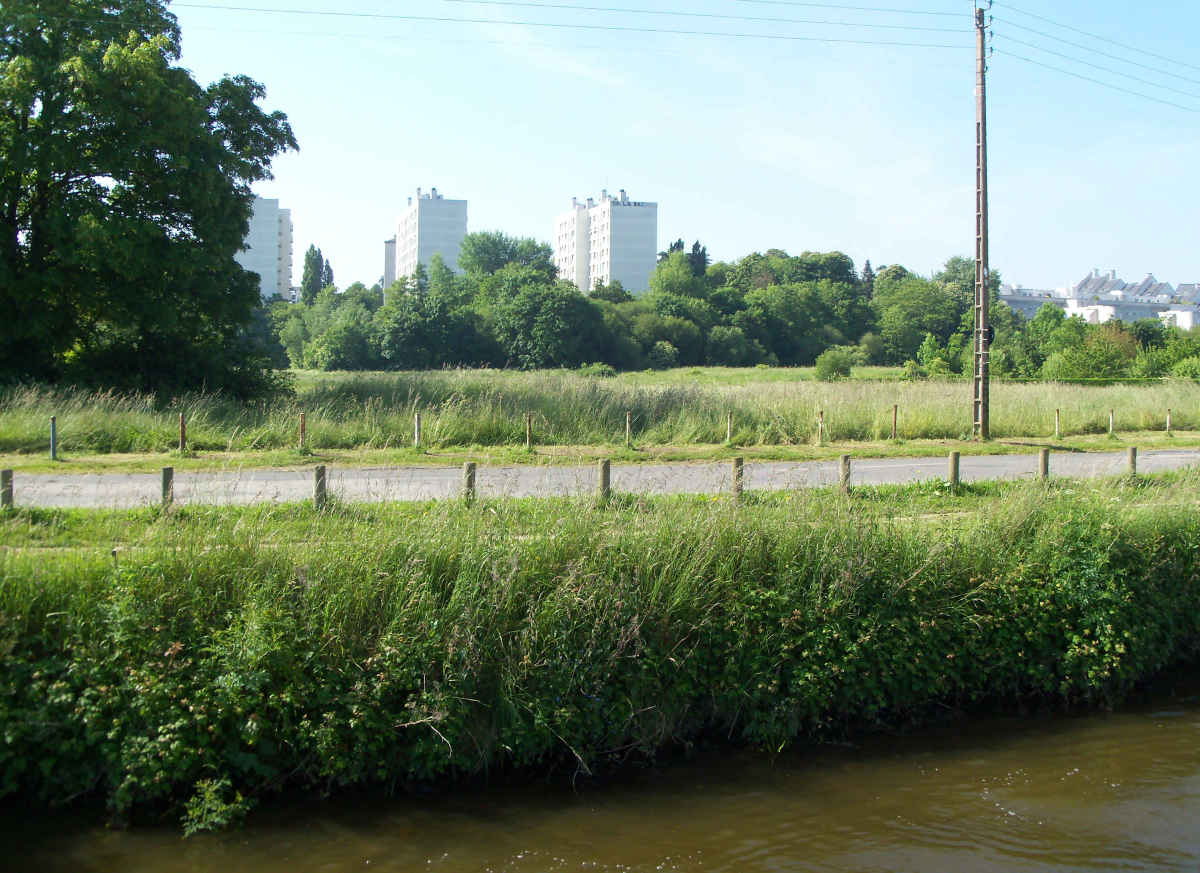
[
  {"x": 368, "y": 417},
  {"x": 197, "y": 661}
]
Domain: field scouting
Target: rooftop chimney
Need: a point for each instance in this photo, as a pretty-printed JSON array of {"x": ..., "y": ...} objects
[
  {"x": 433, "y": 193},
  {"x": 418, "y": 193},
  {"x": 603, "y": 193},
  {"x": 624, "y": 199}
]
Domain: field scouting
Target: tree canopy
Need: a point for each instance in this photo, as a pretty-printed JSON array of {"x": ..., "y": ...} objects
[{"x": 124, "y": 195}]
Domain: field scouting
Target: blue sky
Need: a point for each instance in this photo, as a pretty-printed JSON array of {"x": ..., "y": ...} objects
[{"x": 745, "y": 143}]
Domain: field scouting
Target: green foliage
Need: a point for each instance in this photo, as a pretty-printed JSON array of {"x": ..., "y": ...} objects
[
  {"x": 124, "y": 196},
  {"x": 487, "y": 252},
  {"x": 1188, "y": 368},
  {"x": 834, "y": 364},
  {"x": 440, "y": 641},
  {"x": 663, "y": 355},
  {"x": 601, "y": 371},
  {"x": 214, "y": 807}
]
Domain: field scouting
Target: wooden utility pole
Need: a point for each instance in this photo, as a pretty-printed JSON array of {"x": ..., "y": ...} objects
[{"x": 983, "y": 339}]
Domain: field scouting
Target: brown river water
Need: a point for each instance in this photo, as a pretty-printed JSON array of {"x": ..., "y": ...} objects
[{"x": 1108, "y": 791}]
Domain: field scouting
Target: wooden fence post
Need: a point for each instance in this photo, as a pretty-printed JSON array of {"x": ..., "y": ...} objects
[
  {"x": 528, "y": 430},
  {"x": 736, "y": 482},
  {"x": 1133, "y": 460},
  {"x": 953, "y": 471},
  {"x": 895, "y": 418},
  {"x": 1168, "y": 421},
  {"x": 6, "y": 489},
  {"x": 628, "y": 428},
  {"x": 1057, "y": 430},
  {"x": 168, "y": 486},
  {"x": 729, "y": 427},
  {"x": 1044, "y": 464},
  {"x": 319, "y": 487},
  {"x": 303, "y": 431},
  {"x": 820, "y": 426},
  {"x": 416, "y": 430},
  {"x": 604, "y": 478},
  {"x": 844, "y": 474},
  {"x": 182, "y": 433},
  {"x": 54, "y": 438},
  {"x": 468, "y": 481}
]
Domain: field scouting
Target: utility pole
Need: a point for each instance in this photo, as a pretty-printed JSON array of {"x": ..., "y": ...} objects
[{"x": 983, "y": 340}]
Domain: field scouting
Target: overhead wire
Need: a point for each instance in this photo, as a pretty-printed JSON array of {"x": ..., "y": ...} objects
[
  {"x": 1097, "y": 51},
  {"x": 1102, "y": 68},
  {"x": 710, "y": 15},
  {"x": 1097, "y": 81},
  {"x": 563, "y": 25},
  {"x": 1087, "y": 33},
  {"x": 853, "y": 8}
]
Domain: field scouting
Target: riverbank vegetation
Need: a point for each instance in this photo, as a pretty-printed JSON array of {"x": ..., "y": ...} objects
[
  {"x": 203, "y": 659},
  {"x": 473, "y": 408}
]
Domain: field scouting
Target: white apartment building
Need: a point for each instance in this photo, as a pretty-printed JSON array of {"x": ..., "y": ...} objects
[
  {"x": 268, "y": 249},
  {"x": 615, "y": 239},
  {"x": 389, "y": 262},
  {"x": 431, "y": 225}
]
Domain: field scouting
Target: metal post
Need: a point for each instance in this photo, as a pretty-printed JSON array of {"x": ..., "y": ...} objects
[
  {"x": 895, "y": 418},
  {"x": 528, "y": 430},
  {"x": 319, "y": 487},
  {"x": 1057, "y": 430},
  {"x": 54, "y": 438},
  {"x": 604, "y": 478},
  {"x": 6, "y": 489},
  {"x": 182, "y": 433},
  {"x": 416, "y": 430},
  {"x": 303, "y": 431},
  {"x": 983, "y": 339},
  {"x": 1133, "y": 460},
  {"x": 1044, "y": 464},
  {"x": 468, "y": 481},
  {"x": 736, "y": 483},
  {"x": 953, "y": 471},
  {"x": 168, "y": 486},
  {"x": 844, "y": 474},
  {"x": 628, "y": 428}
]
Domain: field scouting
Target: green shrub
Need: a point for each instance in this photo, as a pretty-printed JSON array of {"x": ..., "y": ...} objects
[
  {"x": 601, "y": 371},
  {"x": 834, "y": 364}
]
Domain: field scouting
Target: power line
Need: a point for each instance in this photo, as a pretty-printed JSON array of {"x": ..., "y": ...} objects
[
  {"x": 711, "y": 15},
  {"x": 566, "y": 26},
  {"x": 1097, "y": 81},
  {"x": 853, "y": 8},
  {"x": 1102, "y": 68},
  {"x": 1097, "y": 51},
  {"x": 1098, "y": 36}
]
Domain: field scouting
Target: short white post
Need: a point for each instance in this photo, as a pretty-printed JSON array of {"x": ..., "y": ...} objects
[
  {"x": 168, "y": 486},
  {"x": 1057, "y": 429},
  {"x": 1111, "y": 418},
  {"x": 416, "y": 430},
  {"x": 54, "y": 438},
  {"x": 953, "y": 471},
  {"x": 603, "y": 479},
  {"x": 1044, "y": 464},
  {"x": 844, "y": 474},
  {"x": 628, "y": 428},
  {"x": 1133, "y": 460},
  {"x": 1168, "y": 421}
]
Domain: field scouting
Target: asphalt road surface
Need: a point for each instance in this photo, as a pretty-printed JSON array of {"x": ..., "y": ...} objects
[{"x": 366, "y": 484}]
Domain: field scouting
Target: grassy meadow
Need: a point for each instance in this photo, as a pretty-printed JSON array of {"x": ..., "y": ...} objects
[
  {"x": 680, "y": 409},
  {"x": 195, "y": 662}
]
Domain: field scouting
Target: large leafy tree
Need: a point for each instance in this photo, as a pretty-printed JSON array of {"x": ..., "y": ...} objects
[{"x": 124, "y": 195}]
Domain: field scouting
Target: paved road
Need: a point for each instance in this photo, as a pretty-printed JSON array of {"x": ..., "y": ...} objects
[{"x": 418, "y": 483}]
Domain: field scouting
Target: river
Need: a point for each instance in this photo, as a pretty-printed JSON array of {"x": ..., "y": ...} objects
[{"x": 1106, "y": 791}]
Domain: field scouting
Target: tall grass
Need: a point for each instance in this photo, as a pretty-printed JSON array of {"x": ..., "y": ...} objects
[
  {"x": 487, "y": 408},
  {"x": 269, "y": 648}
]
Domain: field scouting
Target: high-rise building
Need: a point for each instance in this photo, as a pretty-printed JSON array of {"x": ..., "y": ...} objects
[
  {"x": 268, "y": 249},
  {"x": 389, "y": 262},
  {"x": 431, "y": 225},
  {"x": 615, "y": 239}
]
